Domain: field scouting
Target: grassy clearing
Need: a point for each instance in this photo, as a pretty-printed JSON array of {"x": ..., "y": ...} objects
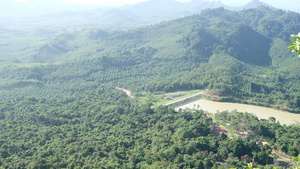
[
  {"x": 228, "y": 128},
  {"x": 166, "y": 98},
  {"x": 162, "y": 98},
  {"x": 7, "y": 82},
  {"x": 27, "y": 65}
]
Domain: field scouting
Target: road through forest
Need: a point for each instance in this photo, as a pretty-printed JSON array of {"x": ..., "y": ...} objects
[{"x": 128, "y": 92}]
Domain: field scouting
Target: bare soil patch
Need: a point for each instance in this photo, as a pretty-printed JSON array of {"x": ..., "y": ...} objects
[
  {"x": 218, "y": 130},
  {"x": 128, "y": 92}
]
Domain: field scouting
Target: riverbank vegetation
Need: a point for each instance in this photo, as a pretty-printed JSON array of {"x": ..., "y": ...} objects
[
  {"x": 250, "y": 64},
  {"x": 59, "y": 106},
  {"x": 120, "y": 132}
]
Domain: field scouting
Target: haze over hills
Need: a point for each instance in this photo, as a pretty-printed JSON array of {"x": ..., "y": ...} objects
[
  {"x": 61, "y": 107},
  {"x": 256, "y": 3},
  {"x": 255, "y": 41},
  {"x": 125, "y": 17}
]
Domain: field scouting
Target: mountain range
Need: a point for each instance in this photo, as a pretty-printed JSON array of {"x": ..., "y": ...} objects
[
  {"x": 60, "y": 75},
  {"x": 125, "y": 17},
  {"x": 243, "y": 53}
]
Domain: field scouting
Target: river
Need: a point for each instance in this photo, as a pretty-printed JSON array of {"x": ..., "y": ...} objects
[{"x": 283, "y": 117}]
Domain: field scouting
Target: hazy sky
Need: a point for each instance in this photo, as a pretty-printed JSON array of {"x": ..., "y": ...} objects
[
  {"x": 282, "y": 4},
  {"x": 97, "y": 2},
  {"x": 278, "y": 3}
]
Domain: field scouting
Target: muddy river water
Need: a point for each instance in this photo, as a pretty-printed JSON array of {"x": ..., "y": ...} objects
[{"x": 261, "y": 112}]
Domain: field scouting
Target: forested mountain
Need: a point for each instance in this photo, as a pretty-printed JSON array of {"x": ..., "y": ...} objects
[
  {"x": 241, "y": 53},
  {"x": 60, "y": 109},
  {"x": 48, "y": 13}
]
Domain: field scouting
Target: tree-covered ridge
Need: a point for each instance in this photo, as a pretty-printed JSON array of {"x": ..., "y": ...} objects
[
  {"x": 59, "y": 107},
  {"x": 239, "y": 53},
  {"x": 103, "y": 128},
  {"x": 285, "y": 137}
]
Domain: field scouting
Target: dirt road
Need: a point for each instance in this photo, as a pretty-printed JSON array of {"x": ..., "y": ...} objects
[{"x": 128, "y": 92}]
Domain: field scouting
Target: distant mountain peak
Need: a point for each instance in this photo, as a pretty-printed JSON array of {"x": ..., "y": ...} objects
[
  {"x": 256, "y": 3},
  {"x": 162, "y": 1}
]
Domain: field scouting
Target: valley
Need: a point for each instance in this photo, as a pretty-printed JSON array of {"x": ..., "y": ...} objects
[
  {"x": 104, "y": 96},
  {"x": 261, "y": 112},
  {"x": 199, "y": 100}
]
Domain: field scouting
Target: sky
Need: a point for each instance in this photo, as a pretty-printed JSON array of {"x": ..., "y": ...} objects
[
  {"x": 293, "y": 5},
  {"x": 281, "y": 4},
  {"x": 276, "y": 3},
  {"x": 96, "y": 2}
]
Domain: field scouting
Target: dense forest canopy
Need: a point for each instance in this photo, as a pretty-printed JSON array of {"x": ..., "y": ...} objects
[
  {"x": 60, "y": 109},
  {"x": 242, "y": 53},
  {"x": 118, "y": 132}
]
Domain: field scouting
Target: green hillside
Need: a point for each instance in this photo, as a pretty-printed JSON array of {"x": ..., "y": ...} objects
[
  {"x": 59, "y": 107},
  {"x": 233, "y": 53}
]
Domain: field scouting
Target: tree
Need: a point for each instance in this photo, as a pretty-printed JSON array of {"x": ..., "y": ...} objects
[
  {"x": 297, "y": 162},
  {"x": 272, "y": 119},
  {"x": 250, "y": 166},
  {"x": 295, "y": 44}
]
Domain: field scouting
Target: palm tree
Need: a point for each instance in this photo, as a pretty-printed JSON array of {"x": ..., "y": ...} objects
[
  {"x": 297, "y": 162},
  {"x": 295, "y": 44},
  {"x": 250, "y": 166}
]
